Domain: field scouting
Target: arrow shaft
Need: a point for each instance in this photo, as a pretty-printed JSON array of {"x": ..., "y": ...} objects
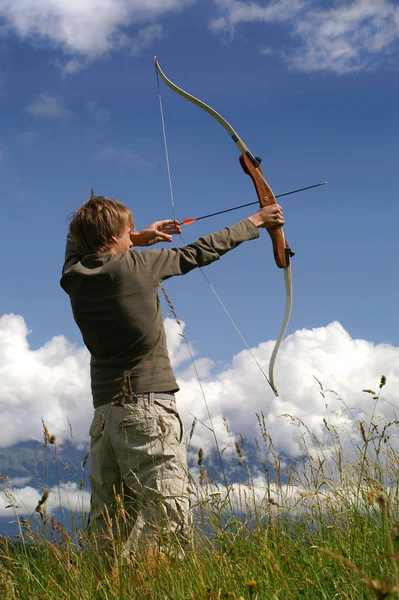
[{"x": 221, "y": 212}]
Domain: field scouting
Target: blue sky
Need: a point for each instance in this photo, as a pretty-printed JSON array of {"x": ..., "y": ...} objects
[{"x": 310, "y": 86}]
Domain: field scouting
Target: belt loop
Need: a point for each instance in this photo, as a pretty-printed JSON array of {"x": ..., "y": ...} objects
[{"x": 151, "y": 398}]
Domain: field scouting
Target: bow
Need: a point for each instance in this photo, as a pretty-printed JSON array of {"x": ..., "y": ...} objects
[{"x": 251, "y": 166}]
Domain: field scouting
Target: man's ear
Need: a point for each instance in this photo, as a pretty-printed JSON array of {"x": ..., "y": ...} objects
[{"x": 112, "y": 240}]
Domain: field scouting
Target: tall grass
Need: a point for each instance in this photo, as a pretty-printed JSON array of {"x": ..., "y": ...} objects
[{"x": 323, "y": 527}]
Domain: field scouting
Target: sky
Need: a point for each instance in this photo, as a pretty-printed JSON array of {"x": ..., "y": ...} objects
[{"x": 311, "y": 87}]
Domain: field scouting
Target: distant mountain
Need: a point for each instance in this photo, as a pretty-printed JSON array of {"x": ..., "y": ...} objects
[
  {"x": 30, "y": 464},
  {"x": 43, "y": 467}
]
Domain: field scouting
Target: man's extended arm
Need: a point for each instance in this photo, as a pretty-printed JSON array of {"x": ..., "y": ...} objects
[
  {"x": 166, "y": 263},
  {"x": 169, "y": 262}
]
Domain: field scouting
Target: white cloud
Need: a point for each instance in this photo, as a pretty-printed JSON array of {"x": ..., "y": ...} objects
[
  {"x": 266, "y": 51},
  {"x": 235, "y": 12},
  {"x": 72, "y": 66},
  {"x": 23, "y": 501},
  {"x": 19, "y": 482},
  {"x": 49, "y": 107},
  {"x": 341, "y": 363},
  {"x": 50, "y": 383},
  {"x": 179, "y": 350},
  {"x": 124, "y": 156},
  {"x": 145, "y": 38},
  {"x": 99, "y": 114},
  {"x": 53, "y": 383},
  {"x": 298, "y": 497},
  {"x": 89, "y": 28},
  {"x": 345, "y": 38}
]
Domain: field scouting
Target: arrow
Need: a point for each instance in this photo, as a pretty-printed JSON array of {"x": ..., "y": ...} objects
[{"x": 221, "y": 212}]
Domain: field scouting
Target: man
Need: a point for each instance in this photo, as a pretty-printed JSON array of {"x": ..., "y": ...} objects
[{"x": 138, "y": 455}]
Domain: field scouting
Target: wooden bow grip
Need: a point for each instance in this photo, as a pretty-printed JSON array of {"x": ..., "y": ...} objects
[{"x": 282, "y": 252}]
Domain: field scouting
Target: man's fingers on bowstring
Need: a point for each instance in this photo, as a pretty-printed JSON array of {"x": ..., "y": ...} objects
[
  {"x": 170, "y": 226},
  {"x": 163, "y": 237}
]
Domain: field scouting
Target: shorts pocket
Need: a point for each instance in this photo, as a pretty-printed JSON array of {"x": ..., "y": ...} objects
[
  {"x": 97, "y": 425},
  {"x": 169, "y": 407},
  {"x": 139, "y": 416}
]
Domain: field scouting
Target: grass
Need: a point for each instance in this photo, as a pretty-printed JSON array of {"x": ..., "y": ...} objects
[{"x": 324, "y": 527}]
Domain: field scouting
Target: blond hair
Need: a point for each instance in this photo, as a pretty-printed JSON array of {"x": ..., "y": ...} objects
[{"x": 96, "y": 221}]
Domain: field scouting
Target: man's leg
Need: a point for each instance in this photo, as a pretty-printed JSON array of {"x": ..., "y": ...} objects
[
  {"x": 105, "y": 481},
  {"x": 150, "y": 448}
]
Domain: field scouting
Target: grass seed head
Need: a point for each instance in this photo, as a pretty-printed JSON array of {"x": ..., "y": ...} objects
[
  {"x": 251, "y": 585},
  {"x": 44, "y": 498},
  {"x": 273, "y": 502},
  {"x": 200, "y": 456},
  {"x": 102, "y": 423},
  {"x": 395, "y": 530},
  {"x": 86, "y": 458},
  {"x": 202, "y": 476},
  {"x": 372, "y": 493},
  {"x": 193, "y": 427},
  {"x": 161, "y": 423},
  {"x": 382, "y": 499},
  {"x": 238, "y": 449},
  {"x": 363, "y": 432}
]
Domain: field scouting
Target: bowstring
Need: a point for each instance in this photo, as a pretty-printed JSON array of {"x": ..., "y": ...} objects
[{"x": 173, "y": 310}]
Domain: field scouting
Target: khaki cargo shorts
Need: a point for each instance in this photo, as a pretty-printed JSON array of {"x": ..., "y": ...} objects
[{"x": 139, "y": 477}]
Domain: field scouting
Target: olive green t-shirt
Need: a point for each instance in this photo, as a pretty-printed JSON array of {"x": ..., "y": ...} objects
[{"x": 115, "y": 304}]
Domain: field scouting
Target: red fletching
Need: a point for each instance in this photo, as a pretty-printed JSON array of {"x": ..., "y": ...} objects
[{"x": 187, "y": 221}]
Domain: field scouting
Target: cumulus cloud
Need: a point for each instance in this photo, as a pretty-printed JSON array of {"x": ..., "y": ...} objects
[
  {"x": 23, "y": 501},
  {"x": 49, "y": 107},
  {"x": 341, "y": 363},
  {"x": 50, "y": 383},
  {"x": 53, "y": 383},
  {"x": 88, "y": 28},
  {"x": 344, "y": 38}
]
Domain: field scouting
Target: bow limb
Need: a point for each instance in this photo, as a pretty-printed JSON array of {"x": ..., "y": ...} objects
[
  {"x": 251, "y": 166},
  {"x": 233, "y": 134},
  {"x": 281, "y": 250},
  {"x": 287, "y": 314}
]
